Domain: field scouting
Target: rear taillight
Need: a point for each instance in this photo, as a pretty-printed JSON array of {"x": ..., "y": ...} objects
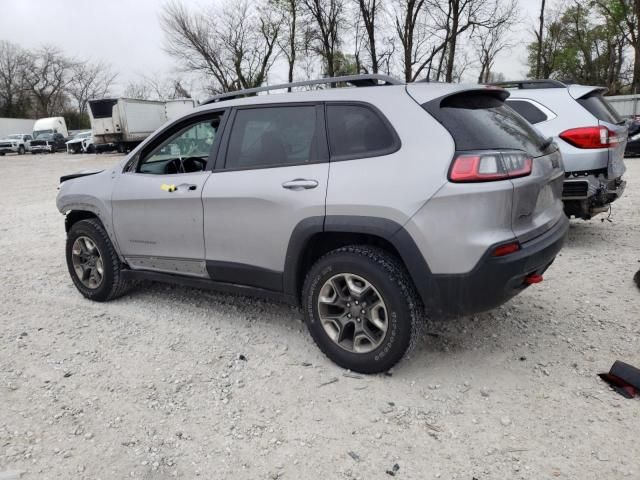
[
  {"x": 490, "y": 166},
  {"x": 590, "y": 137}
]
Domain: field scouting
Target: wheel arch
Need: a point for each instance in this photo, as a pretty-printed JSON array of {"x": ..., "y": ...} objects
[{"x": 317, "y": 236}]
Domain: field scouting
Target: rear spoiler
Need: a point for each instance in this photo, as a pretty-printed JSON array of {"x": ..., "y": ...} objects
[{"x": 582, "y": 91}]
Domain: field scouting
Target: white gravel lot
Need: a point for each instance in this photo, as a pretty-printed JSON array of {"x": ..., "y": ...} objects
[{"x": 169, "y": 382}]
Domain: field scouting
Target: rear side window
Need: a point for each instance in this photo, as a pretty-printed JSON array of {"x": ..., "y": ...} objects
[
  {"x": 600, "y": 108},
  {"x": 528, "y": 110},
  {"x": 358, "y": 131},
  {"x": 480, "y": 120},
  {"x": 273, "y": 136}
]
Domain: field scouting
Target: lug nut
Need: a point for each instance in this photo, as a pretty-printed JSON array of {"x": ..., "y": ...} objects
[
  {"x": 348, "y": 315},
  {"x": 362, "y": 312},
  {"x": 358, "y": 319},
  {"x": 348, "y": 304},
  {"x": 356, "y": 302}
]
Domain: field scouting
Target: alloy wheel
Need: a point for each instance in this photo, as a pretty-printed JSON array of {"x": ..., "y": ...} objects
[
  {"x": 87, "y": 262},
  {"x": 352, "y": 313}
]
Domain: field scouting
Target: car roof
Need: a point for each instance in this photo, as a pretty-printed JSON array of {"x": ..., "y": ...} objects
[{"x": 421, "y": 91}]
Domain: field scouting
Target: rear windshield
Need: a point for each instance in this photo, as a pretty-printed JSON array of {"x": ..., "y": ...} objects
[
  {"x": 480, "y": 120},
  {"x": 600, "y": 108}
]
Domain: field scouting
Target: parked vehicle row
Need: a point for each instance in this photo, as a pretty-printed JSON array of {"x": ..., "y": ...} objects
[{"x": 363, "y": 205}]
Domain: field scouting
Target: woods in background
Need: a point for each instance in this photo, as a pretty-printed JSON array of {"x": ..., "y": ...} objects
[{"x": 238, "y": 44}]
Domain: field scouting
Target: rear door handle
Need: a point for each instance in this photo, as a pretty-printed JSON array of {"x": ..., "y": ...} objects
[{"x": 300, "y": 184}]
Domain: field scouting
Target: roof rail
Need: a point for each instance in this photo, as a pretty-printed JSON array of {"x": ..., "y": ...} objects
[
  {"x": 530, "y": 84},
  {"x": 365, "y": 80}
]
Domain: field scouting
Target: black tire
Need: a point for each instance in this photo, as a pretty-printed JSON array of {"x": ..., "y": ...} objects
[
  {"x": 1, "y": 154},
  {"x": 91, "y": 149},
  {"x": 33, "y": 153},
  {"x": 21, "y": 150},
  {"x": 113, "y": 284},
  {"x": 389, "y": 277}
]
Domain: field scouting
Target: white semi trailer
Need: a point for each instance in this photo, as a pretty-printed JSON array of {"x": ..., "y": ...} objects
[
  {"x": 10, "y": 126},
  {"x": 125, "y": 122}
]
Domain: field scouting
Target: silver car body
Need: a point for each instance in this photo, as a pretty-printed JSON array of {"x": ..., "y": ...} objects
[
  {"x": 594, "y": 174},
  {"x": 220, "y": 219}
]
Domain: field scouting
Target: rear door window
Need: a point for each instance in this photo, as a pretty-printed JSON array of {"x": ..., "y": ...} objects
[
  {"x": 528, "y": 110},
  {"x": 358, "y": 131},
  {"x": 273, "y": 136},
  {"x": 480, "y": 120},
  {"x": 596, "y": 104}
]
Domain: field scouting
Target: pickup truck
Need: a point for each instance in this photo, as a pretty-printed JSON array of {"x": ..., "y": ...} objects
[{"x": 16, "y": 143}]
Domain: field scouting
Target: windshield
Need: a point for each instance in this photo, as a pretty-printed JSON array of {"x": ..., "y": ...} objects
[{"x": 42, "y": 133}]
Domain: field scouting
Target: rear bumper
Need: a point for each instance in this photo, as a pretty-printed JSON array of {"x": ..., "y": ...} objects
[{"x": 494, "y": 280}]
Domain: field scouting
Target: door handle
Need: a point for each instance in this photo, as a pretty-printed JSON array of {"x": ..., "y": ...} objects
[{"x": 300, "y": 184}]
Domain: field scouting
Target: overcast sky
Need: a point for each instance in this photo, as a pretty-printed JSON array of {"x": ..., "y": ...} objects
[{"x": 127, "y": 34}]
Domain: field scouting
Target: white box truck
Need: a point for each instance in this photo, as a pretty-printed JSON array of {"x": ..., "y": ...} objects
[
  {"x": 125, "y": 122},
  {"x": 9, "y": 126}
]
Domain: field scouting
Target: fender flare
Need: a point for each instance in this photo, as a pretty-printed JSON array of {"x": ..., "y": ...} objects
[{"x": 392, "y": 232}]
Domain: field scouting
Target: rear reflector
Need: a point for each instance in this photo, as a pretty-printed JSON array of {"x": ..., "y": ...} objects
[
  {"x": 490, "y": 166},
  {"x": 590, "y": 137},
  {"x": 533, "y": 278},
  {"x": 506, "y": 249}
]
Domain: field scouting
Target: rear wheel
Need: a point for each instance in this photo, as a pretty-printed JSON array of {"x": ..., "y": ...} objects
[
  {"x": 21, "y": 150},
  {"x": 361, "y": 308},
  {"x": 93, "y": 263}
]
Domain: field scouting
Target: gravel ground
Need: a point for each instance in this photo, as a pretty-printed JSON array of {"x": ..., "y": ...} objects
[{"x": 169, "y": 382}]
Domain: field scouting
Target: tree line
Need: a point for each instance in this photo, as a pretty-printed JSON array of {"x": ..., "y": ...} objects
[
  {"x": 46, "y": 82},
  {"x": 238, "y": 44},
  {"x": 594, "y": 42}
]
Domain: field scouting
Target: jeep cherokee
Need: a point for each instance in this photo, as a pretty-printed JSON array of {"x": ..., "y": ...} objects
[{"x": 366, "y": 206}]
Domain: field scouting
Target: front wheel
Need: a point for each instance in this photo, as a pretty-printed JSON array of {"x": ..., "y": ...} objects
[
  {"x": 21, "y": 150},
  {"x": 361, "y": 308},
  {"x": 93, "y": 263}
]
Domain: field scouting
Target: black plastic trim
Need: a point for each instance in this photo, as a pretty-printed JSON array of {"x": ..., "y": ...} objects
[
  {"x": 205, "y": 283},
  {"x": 71, "y": 176},
  {"x": 242, "y": 274},
  {"x": 494, "y": 280},
  {"x": 298, "y": 242}
]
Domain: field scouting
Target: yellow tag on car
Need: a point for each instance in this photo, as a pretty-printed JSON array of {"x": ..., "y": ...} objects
[{"x": 168, "y": 188}]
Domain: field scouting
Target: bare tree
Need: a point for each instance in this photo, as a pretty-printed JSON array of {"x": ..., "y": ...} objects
[
  {"x": 137, "y": 89},
  {"x": 48, "y": 80},
  {"x": 326, "y": 22},
  {"x": 469, "y": 15},
  {"x": 289, "y": 38},
  {"x": 234, "y": 48},
  {"x": 370, "y": 11},
  {"x": 89, "y": 80},
  {"x": 14, "y": 64},
  {"x": 413, "y": 34},
  {"x": 489, "y": 42},
  {"x": 540, "y": 38}
]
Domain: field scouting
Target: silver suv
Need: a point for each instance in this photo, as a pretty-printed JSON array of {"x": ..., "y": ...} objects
[
  {"x": 363, "y": 205},
  {"x": 589, "y": 132}
]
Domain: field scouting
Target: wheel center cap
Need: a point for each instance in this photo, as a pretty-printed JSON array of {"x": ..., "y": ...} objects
[{"x": 354, "y": 310}]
